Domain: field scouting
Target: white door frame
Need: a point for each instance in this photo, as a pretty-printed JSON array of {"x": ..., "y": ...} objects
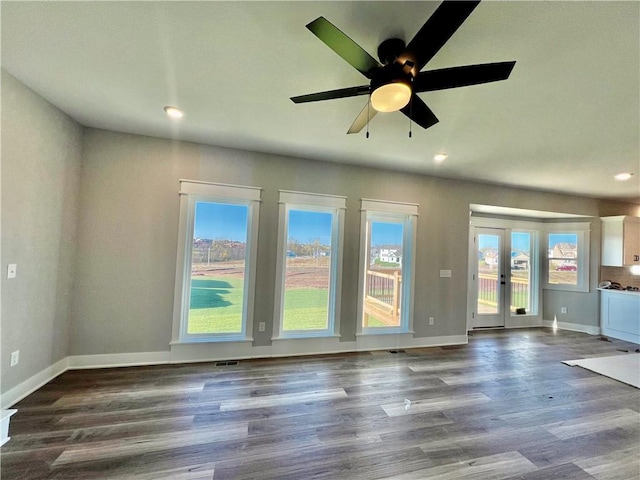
[
  {"x": 531, "y": 318},
  {"x": 490, "y": 319}
]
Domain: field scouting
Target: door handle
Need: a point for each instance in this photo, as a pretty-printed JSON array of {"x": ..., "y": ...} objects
[{"x": 503, "y": 283}]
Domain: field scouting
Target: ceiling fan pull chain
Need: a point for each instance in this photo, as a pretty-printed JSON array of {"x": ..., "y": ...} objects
[
  {"x": 368, "y": 104},
  {"x": 410, "y": 113}
]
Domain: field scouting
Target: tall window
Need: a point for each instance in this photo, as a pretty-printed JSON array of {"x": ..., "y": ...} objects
[
  {"x": 386, "y": 266},
  {"x": 524, "y": 278},
  {"x": 309, "y": 260},
  {"x": 215, "y": 275},
  {"x": 567, "y": 266}
]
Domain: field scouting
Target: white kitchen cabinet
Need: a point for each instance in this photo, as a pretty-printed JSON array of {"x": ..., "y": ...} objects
[
  {"x": 620, "y": 315},
  {"x": 620, "y": 241}
]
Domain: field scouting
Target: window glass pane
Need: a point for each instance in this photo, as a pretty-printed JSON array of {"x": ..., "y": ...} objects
[
  {"x": 218, "y": 268},
  {"x": 307, "y": 271},
  {"x": 521, "y": 278},
  {"x": 383, "y": 277},
  {"x": 488, "y": 268},
  {"x": 563, "y": 254}
]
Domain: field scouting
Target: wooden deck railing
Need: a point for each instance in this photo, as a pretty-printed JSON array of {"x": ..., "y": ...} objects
[
  {"x": 382, "y": 298},
  {"x": 487, "y": 291}
]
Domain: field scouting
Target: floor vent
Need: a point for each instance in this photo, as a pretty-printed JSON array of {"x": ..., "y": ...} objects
[{"x": 229, "y": 363}]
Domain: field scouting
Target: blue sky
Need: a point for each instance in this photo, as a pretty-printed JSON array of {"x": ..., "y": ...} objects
[
  {"x": 229, "y": 222},
  {"x": 383, "y": 233},
  {"x": 520, "y": 240},
  {"x": 305, "y": 226},
  {"x": 221, "y": 221},
  {"x": 555, "y": 238}
]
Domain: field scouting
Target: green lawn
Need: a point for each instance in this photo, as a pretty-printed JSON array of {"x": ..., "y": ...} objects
[
  {"x": 374, "y": 322},
  {"x": 216, "y": 306},
  {"x": 519, "y": 299},
  {"x": 305, "y": 308}
]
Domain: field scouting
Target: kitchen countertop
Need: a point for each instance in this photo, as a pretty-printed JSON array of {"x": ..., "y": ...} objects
[{"x": 621, "y": 292}]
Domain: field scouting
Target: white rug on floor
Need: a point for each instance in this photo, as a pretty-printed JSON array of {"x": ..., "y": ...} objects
[{"x": 624, "y": 368}]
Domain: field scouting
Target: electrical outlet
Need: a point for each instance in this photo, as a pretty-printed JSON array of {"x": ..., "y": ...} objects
[
  {"x": 261, "y": 326},
  {"x": 563, "y": 310},
  {"x": 15, "y": 358},
  {"x": 431, "y": 320},
  {"x": 12, "y": 270}
]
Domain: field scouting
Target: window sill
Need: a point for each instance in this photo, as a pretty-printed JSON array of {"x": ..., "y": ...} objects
[
  {"x": 192, "y": 341},
  {"x": 384, "y": 331},
  {"x": 302, "y": 336},
  {"x": 566, "y": 288}
]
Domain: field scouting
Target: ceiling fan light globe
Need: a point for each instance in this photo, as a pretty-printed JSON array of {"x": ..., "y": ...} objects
[{"x": 391, "y": 97}]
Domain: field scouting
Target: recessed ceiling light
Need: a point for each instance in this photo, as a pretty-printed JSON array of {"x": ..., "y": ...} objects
[
  {"x": 173, "y": 112},
  {"x": 440, "y": 157},
  {"x": 623, "y": 176}
]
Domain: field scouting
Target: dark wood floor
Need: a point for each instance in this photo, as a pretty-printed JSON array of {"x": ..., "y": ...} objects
[{"x": 503, "y": 407}]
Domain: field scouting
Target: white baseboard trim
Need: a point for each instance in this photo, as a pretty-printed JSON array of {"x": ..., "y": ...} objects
[
  {"x": 208, "y": 352},
  {"x": 211, "y": 352},
  {"x": 110, "y": 360},
  {"x": 215, "y": 351},
  {"x": 574, "y": 327},
  {"x": 523, "y": 321},
  {"x": 402, "y": 341},
  {"x": 17, "y": 393}
]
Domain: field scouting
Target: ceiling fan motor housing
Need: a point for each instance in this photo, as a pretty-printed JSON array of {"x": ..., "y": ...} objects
[{"x": 390, "y": 50}]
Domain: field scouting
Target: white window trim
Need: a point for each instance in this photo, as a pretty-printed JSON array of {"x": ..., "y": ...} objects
[
  {"x": 197, "y": 191},
  {"x": 337, "y": 205},
  {"x": 384, "y": 209},
  {"x": 534, "y": 271},
  {"x": 583, "y": 231},
  {"x": 537, "y": 230}
]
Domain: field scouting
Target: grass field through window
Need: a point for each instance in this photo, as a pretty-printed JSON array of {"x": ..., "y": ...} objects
[{"x": 216, "y": 306}]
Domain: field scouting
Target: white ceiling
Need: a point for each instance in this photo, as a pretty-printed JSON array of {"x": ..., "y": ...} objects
[{"x": 567, "y": 119}]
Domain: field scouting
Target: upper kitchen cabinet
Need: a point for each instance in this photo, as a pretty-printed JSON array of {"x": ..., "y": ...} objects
[{"x": 620, "y": 241}]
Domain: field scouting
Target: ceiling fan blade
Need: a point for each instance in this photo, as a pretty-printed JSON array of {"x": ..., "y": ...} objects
[
  {"x": 462, "y": 76},
  {"x": 331, "y": 94},
  {"x": 367, "y": 113},
  {"x": 437, "y": 30},
  {"x": 349, "y": 50},
  {"x": 418, "y": 111}
]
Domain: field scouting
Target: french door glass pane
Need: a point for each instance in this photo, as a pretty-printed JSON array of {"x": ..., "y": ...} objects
[
  {"x": 218, "y": 262},
  {"x": 563, "y": 255},
  {"x": 488, "y": 274},
  {"x": 307, "y": 271},
  {"x": 383, "y": 285},
  {"x": 521, "y": 278}
]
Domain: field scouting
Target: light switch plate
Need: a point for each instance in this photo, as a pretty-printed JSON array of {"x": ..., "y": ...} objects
[
  {"x": 12, "y": 270},
  {"x": 445, "y": 273}
]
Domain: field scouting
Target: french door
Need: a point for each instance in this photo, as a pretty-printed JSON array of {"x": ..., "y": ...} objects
[
  {"x": 503, "y": 276},
  {"x": 489, "y": 278}
]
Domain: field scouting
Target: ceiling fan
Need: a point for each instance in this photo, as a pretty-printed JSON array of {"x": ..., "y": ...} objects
[{"x": 397, "y": 78}]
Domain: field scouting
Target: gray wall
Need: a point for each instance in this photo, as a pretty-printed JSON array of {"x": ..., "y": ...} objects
[
  {"x": 41, "y": 151},
  {"x": 128, "y": 235},
  {"x": 95, "y": 246}
]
